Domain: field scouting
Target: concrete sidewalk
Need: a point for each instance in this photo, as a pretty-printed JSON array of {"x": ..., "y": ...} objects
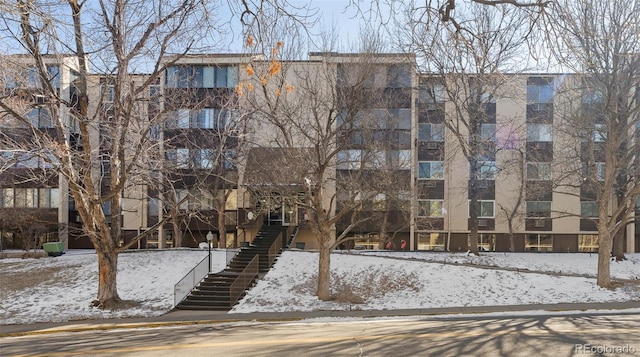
[{"x": 191, "y": 317}]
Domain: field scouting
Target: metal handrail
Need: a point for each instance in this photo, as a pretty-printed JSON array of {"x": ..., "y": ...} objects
[
  {"x": 274, "y": 249},
  {"x": 244, "y": 279},
  {"x": 182, "y": 289},
  {"x": 292, "y": 232}
]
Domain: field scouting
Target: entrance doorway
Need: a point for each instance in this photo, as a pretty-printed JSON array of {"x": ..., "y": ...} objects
[
  {"x": 284, "y": 215},
  {"x": 280, "y": 213}
]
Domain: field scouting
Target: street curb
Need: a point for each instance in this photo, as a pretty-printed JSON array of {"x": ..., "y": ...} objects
[{"x": 597, "y": 308}]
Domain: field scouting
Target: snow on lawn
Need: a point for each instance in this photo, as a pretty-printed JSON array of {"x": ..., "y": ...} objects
[
  {"x": 62, "y": 288},
  {"x": 70, "y": 283},
  {"x": 368, "y": 282},
  {"x": 578, "y": 263}
]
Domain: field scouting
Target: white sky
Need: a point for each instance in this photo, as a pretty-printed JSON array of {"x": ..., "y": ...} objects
[{"x": 395, "y": 280}]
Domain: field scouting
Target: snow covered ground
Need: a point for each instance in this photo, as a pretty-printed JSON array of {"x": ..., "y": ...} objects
[{"x": 366, "y": 280}]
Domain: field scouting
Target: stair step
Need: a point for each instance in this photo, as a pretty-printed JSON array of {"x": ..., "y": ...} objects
[{"x": 213, "y": 292}]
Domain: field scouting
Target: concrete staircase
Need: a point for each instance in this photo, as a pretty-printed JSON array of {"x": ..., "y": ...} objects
[{"x": 215, "y": 293}]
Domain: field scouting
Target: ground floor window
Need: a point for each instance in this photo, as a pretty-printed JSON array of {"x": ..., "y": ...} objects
[
  {"x": 431, "y": 241},
  {"x": 588, "y": 243},
  {"x": 539, "y": 243},
  {"x": 366, "y": 241},
  {"x": 486, "y": 242}
]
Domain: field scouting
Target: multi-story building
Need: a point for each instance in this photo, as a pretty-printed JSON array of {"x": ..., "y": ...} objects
[
  {"x": 409, "y": 168},
  {"x": 33, "y": 203}
]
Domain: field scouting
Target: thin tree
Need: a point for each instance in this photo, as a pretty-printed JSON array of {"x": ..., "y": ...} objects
[
  {"x": 310, "y": 113},
  {"x": 469, "y": 65},
  {"x": 135, "y": 36},
  {"x": 600, "y": 42}
]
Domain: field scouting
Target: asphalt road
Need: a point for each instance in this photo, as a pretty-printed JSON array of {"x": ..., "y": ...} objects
[{"x": 535, "y": 335}]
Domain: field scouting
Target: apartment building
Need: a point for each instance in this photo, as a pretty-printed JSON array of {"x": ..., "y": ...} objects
[
  {"x": 33, "y": 203},
  {"x": 522, "y": 179},
  {"x": 398, "y": 157}
]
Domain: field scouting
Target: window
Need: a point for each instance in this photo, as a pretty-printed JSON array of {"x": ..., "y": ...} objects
[
  {"x": 539, "y": 132},
  {"x": 431, "y": 132},
  {"x": 229, "y": 159},
  {"x": 488, "y": 132},
  {"x": 600, "y": 133},
  {"x": 26, "y": 197},
  {"x": 6, "y": 197},
  {"x": 184, "y": 77},
  {"x": 153, "y": 206},
  {"x": 181, "y": 118},
  {"x": 485, "y": 209},
  {"x": 349, "y": 159},
  {"x": 431, "y": 95},
  {"x": 54, "y": 74},
  {"x": 374, "y": 159},
  {"x": 109, "y": 93},
  {"x": 537, "y": 209},
  {"x": 202, "y": 76},
  {"x": 30, "y": 78},
  {"x": 154, "y": 132},
  {"x": 487, "y": 170},
  {"x": 202, "y": 199},
  {"x": 106, "y": 208},
  {"x": 179, "y": 157},
  {"x": 48, "y": 197},
  {"x": 182, "y": 158},
  {"x": 538, "y": 171},
  {"x": 181, "y": 199},
  {"x": 486, "y": 242},
  {"x": 401, "y": 118},
  {"x": 597, "y": 167},
  {"x": 40, "y": 118},
  {"x": 32, "y": 197},
  {"x": 589, "y": 209},
  {"x": 592, "y": 96},
  {"x": 401, "y": 159},
  {"x": 27, "y": 161},
  {"x": 399, "y": 76},
  {"x": 431, "y": 241},
  {"x": 588, "y": 243},
  {"x": 540, "y": 93},
  {"x": 203, "y": 159},
  {"x": 431, "y": 170},
  {"x": 203, "y": 118},
  {"x": 226, "y": 76},
  {"x": 479, "y": 96},
  {"x": 539, "y": 243},
  {"x": 430, "y": 208}
]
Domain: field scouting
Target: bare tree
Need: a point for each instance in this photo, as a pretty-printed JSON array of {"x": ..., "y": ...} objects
[
  {"x": 316, "y": 119},
  {"x": 135, "y": 35},
  {"x": 467, "y": 67},
  {"x": 514, "y": 167},
  {"x": 122, "y": 38},
  {"x": 203, "y": 142},
  {"x": 600, "y": 42}
]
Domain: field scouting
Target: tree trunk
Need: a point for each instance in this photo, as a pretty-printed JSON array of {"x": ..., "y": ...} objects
[
  {"x": 324, "y": 264},
  {"x": 175, "y": 225},
  {"x": 473, "y": 212},
  {"x": 222, "y": 229},
  {"x": 177, "y": 234},
  {"x": 383, "y": 226},
  {"x": 618, "y": 245},
  {"x": 512, "y": 241},
  {"x": 107, "y": 282},
  {"x": 604, "y": 259}
]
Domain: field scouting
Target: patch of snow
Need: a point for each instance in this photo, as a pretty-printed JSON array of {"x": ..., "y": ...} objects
[{"x": 387, "y": 280}]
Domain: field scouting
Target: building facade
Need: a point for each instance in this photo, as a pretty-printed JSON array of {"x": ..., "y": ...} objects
[{"x": 397, "y": 158}]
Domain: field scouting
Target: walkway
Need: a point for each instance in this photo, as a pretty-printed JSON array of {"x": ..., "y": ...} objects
[{"x": 187, "y": 317}]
